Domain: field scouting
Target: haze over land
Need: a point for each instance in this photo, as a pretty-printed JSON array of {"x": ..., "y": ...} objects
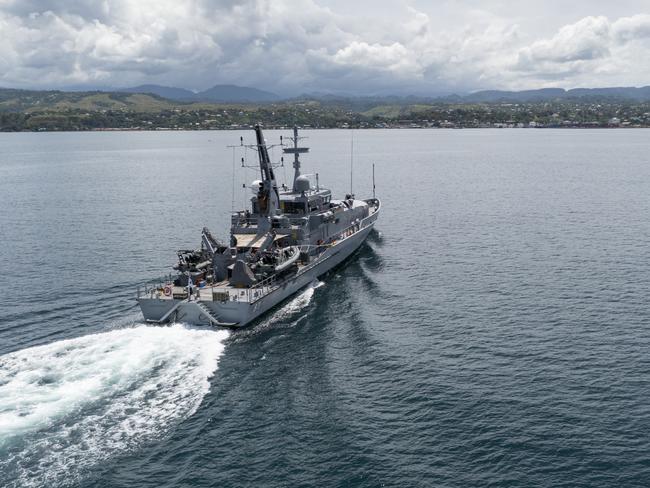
[{"x": 293, "y": 47}]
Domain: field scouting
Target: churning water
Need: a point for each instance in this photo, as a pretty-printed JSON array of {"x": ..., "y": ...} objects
[
  {"x": 68, "y": 405},
  {"x": 494, "y": 331}
]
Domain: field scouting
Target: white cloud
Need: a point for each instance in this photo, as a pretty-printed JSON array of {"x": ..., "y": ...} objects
[
  {"x": 632, "y": 28},
  {"x": 592, "y": 51},
  {"x": 295, "y": 46},
  {"x": 585, "y": 40}
]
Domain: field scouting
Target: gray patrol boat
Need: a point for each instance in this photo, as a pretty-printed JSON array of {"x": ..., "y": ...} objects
[{"x": 290, "y": 237}]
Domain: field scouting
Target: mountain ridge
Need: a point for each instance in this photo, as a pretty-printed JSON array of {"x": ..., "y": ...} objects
[
  {"x": 496, "y": 96},
  {"x": 217, "y": 93},
  {"x": 544, "y": 94},
  {"x": 239, "y": 94}
]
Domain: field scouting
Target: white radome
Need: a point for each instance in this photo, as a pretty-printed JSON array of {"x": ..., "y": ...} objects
[
  {"x": 255, "y": 186},
  {"x": 302, "y": 183}
]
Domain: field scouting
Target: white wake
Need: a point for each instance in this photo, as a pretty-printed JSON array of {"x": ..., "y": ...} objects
[
  {"x": 68, "y": 405},
  {"x": 296, "y": 304},
  {"x": 303, "y": 298}
]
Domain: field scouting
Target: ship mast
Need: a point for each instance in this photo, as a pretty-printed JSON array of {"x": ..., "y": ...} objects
[
  {"x": 295, "y": 150},
  {"x": 268, "y": 196}
]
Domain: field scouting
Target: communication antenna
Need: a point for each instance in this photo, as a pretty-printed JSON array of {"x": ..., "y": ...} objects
[
  {"x": 373, "y": 180},
  {"x": 232, "y": 201},
  {"x": 259, "y": 147},
  {"x": 351, "y": 160},
  {"x": 234, "y": 166},
  {"x": 265, "y": 165}
]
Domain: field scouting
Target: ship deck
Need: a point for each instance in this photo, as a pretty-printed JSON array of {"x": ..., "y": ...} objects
[
  {"x": 217, "y": 292},
  {"x": 223, "y": 291}
]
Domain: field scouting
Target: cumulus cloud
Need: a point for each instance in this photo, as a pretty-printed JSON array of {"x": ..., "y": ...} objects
[
  {"x": 586, "y": 39},
  {"x": 632, "y": 28},
  {"x": 591, "y": 47},
  {"x": 297, "y": 46}
]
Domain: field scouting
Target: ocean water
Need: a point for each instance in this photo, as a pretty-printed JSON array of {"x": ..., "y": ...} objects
[{"x": 493, "y": 331}]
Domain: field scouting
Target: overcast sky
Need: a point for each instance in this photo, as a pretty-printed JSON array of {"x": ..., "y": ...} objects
[{"x": 340, "y": 46}]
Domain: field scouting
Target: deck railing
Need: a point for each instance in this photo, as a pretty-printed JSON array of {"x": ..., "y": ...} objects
[
  {"x": 243, "y": 222},
  {"x": 262, "y": 288}
]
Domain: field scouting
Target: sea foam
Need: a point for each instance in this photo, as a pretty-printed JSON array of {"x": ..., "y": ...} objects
[
  {"x": 295, "y": 305},
  {"x": 68, "y": 405}
]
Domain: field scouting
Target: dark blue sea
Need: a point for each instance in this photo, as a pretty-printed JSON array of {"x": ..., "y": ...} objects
[{"x": 493, "y": 331}]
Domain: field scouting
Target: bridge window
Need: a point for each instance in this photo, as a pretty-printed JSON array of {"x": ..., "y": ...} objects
[{"x": 293, "y": 207}]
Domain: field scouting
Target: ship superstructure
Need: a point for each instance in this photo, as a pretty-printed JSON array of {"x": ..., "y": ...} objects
[{"x": 289, "y": 237}]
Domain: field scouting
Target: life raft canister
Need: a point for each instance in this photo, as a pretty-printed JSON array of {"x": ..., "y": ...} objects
[{"x": 167, "y": 291}]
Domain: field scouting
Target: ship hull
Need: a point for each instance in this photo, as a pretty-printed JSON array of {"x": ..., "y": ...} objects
[{"x": 241, "y": 313}]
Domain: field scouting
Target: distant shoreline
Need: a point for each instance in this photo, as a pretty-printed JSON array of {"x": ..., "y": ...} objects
[
  {"x": 226, "y": 129},
  {"x": 58, "y": 111}
]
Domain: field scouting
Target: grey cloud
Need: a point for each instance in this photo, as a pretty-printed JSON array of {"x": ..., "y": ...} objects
[{"x": 294, "y": 46}]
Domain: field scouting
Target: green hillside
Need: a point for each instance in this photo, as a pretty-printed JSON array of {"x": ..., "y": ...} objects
[
  {"x": 28, "y": 110},
  {"x": 29, "y": 101}
]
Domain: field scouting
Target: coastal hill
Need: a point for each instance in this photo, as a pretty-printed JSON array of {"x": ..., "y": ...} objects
[
  {"x": 218, "y": 93},
  {"x": 242, "y": 94},
  {"x": 168, "y": 92},
  {"x": 146, "y": 98},
  {"x": 27, "y": 101},
  {"x": 233, "y": 93},
  {"x": 230, "y": 107}
]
